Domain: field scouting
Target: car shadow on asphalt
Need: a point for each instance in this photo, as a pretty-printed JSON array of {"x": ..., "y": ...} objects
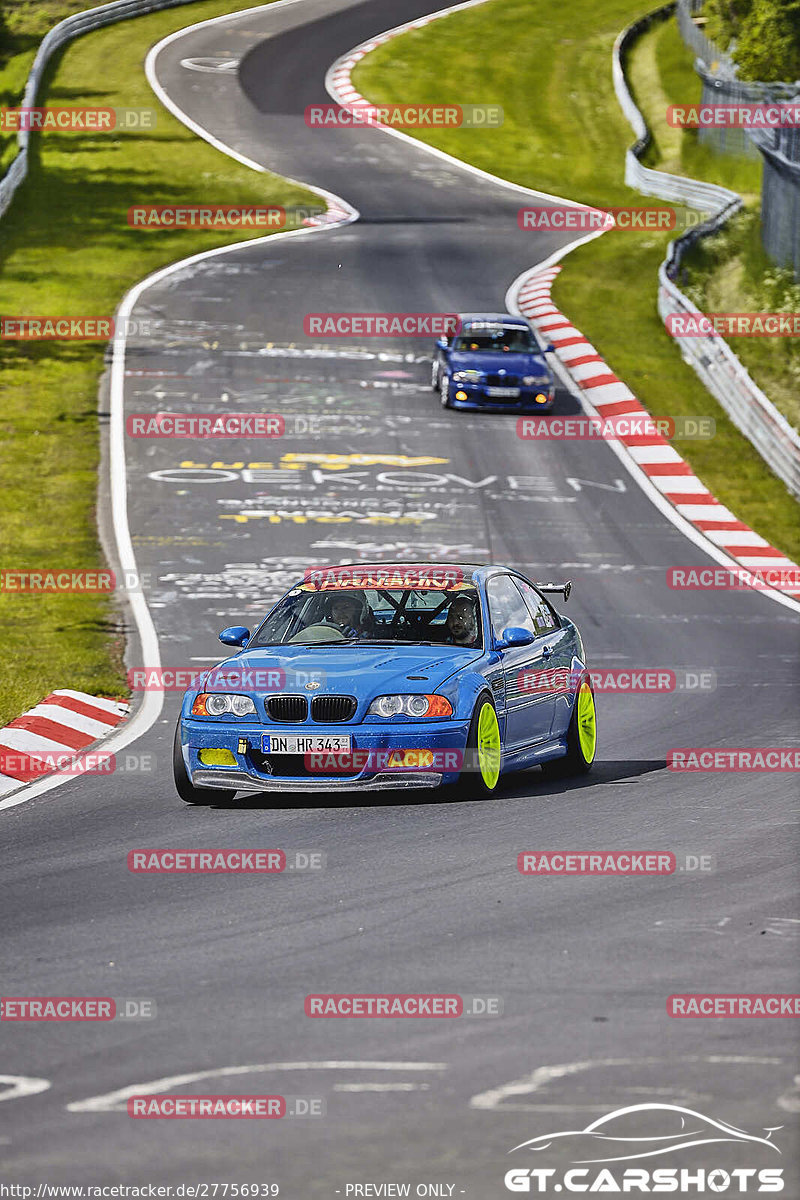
[{"x": 523, "y": 785}]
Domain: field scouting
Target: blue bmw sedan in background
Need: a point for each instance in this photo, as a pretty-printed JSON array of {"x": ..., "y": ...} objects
[
  {"x": 399, "y": 675},
  {"x": 496, "y": 362}
]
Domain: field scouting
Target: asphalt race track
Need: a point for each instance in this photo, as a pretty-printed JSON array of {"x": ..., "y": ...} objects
[{"x": 416, "y": 894}]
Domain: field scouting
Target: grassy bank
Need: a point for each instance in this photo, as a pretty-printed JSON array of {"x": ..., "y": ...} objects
[
  {"x": 66, "y": 249},
  {"x": 729, "y": 272},
  {"x": 564, "y": 133}
]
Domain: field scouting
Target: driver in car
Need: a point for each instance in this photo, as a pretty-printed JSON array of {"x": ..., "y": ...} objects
[
  {"x": 462, "y": 623},
  {"x": 348, "y": 613}
]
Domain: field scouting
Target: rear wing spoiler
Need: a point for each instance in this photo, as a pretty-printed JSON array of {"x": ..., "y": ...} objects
[{"x": 561, "y": 589}]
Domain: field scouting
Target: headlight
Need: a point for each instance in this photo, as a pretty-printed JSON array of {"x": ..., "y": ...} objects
[
  {"x": 411, "y": 706},
  {"x": 532, "y": 380},
  {"x": 215, "y": 705},
  {"x": 466, "y": 377}
]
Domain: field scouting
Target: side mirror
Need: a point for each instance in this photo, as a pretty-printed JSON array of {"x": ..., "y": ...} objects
[
  {"x": 515, "y": 636},
  {"x": 549, "y": 349},
  {"x": 443, "y": 342},
  {"x": 236, "y": 635}
]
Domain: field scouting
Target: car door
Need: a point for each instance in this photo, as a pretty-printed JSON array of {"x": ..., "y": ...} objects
[
  {"x": 558, "y": 648},
  {"x": 529, "y": 709}
]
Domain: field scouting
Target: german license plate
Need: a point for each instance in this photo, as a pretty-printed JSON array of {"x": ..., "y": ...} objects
[
  {"x": 312, "y": 743},
  {"x": 501, "y": 391}
]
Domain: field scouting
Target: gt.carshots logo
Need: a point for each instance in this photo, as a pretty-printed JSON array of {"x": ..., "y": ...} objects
[{"x": 646, "y": 1131}]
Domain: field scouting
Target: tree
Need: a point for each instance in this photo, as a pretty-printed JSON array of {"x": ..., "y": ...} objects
[{"x": 762, "y": 36}]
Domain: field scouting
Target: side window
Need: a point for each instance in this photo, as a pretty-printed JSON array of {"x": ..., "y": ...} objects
[
  {"x": 544, "y": 621},
  {"x": 506, "y": 606}
]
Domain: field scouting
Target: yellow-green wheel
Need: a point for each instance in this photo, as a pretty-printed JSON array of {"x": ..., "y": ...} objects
[
  {"x": 581, "y": 736},
  {"x": 480, "y": 772},
  {"x": 488, "y": 746},
  {"x": 587, "y": 722}
]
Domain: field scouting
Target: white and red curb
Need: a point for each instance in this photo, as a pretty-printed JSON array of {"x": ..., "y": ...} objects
[
  {"x": 659, "y": 461},
  {"x": 64, "y": 723}
]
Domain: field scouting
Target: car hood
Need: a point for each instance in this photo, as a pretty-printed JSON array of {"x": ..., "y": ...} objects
[
  {"x": 356, "y": 670},
  {"x": 488, "y": 360}
]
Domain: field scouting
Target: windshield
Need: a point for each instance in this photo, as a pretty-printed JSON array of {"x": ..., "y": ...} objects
[
  {"x": 354, "y": 616},
  {"x": 509, "y": 340}
]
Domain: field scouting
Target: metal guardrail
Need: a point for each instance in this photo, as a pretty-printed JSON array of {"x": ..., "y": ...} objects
[
  {"x": 54, "y": 39},
  {"x": 711, "y": 357}
]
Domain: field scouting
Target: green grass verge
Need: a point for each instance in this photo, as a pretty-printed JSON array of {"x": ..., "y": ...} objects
[
  {"x": 564, "y": 133},
  {"x": 65, "y": 248},
  {"x": 731, "y": 271}
]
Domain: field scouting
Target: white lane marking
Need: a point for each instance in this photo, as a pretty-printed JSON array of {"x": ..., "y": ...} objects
[
  {"x": 381, "y": 1087},
  {"x": 790, "y": 1100},
  {"x": 117, "y": 1101},
  {"x": 23, "y": 1085},
  {"x": 538, "y": 1079},
  {"x": 152, "y": 701},
  {"x": 214, "y": 66},
  {"x": 676, "y": 518}
]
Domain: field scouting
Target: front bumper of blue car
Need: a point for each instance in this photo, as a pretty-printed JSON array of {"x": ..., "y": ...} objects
[
  {"x": 405, "y": 755},
  {"x": 475, "y": 396}
]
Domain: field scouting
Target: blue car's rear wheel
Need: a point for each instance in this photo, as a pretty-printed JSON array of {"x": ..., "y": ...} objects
[
  {"x": 480, "y": 773},
  {"x": 581, "y": 736},
  {"x": 183, "y": 784}
]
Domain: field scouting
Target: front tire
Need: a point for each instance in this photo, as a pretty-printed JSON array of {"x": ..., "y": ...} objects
[
  {"x": 581, "y": 736},
  {"x": 183, "y": 784},
  {"x": 480, "y": 773},
  {"x": 435, "y": 375},
  {"x": 444, "y": 390}
]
